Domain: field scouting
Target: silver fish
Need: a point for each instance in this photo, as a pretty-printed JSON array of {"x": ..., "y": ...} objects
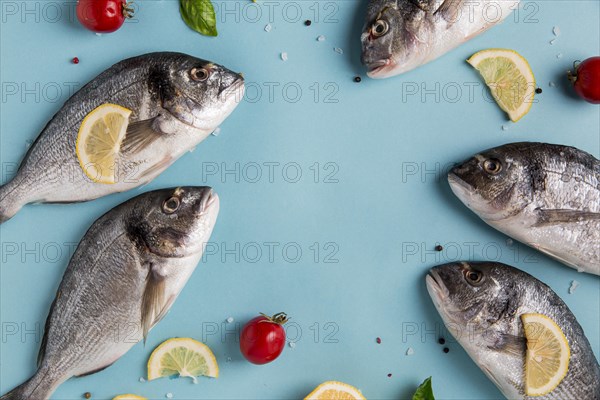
[
  {"x": 176, "y": 100},
  {"x": 481, "y": 304},
  {"x": 544, "y": 195},
  {"x": 400, "y": 35},
  {"x": 123, "y": 278}
]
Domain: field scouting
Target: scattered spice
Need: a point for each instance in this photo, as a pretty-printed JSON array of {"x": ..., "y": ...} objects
[
  {"x": 308, "y": 22},
  {"x": 441, "y": 340},
  {"x": 538, "y": 90},
  {"x": 87, "y": 395},
  {"x": 446, "y": 350},
  {"x": 439, "y": 247},
  {"x": 389, "y": 375},
  {"x": 357, "y": 79},
  {"x": 378, "y": 340},
  {"x": 75, "y": 60}
]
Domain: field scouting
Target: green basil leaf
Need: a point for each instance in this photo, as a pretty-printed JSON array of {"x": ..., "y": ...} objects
[
  {"x": 199, "y": 15},
  {"x": 425, "y": 391}
]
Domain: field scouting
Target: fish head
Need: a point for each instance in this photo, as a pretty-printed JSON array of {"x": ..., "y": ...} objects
[
  {"x": 174, "y": 222},
  {"x": 395, "y": 38},
  {"x": 472, "y": 296},
  {"x": 494, "y": 184},
  {"x": 202, "y": 94}
]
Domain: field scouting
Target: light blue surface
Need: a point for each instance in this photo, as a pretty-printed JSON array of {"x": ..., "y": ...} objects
[{"x": 386, "y": 200}]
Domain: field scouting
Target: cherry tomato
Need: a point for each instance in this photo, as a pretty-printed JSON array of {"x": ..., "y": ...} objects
[
  {"x": 586, "y": 79},
  {"x": 103, "y": 16},
  {"x": 263, "y": 338}
]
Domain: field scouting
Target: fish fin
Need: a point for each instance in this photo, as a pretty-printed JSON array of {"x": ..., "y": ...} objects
[
  {"x": 94, "y": 371},
  {"x": 11, "y": 200},
  {"x": 158, "y": 167},
  {"x": 553, "y": 217},
  {"x": 139, "y": 135},
  {"x": 554, "y": 255},
  {"x": 510, "y": 344},
  {"x": 449, "y": 10},
  {"x": 152, "y": 301},
  {"x": 39, "y": 386},
  {"x": 42, "y": 351}
]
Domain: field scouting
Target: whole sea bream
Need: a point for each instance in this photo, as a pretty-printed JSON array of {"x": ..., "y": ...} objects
[
  {"x": 123, "y": 278},
  {"x": 176, "y": 101},
  {"x": 400, "y": 35},
  {"x": 482, "y": 304},
  {"x": 544, "y": 195}
]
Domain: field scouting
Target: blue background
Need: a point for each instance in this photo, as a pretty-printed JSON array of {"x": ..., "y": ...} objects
[{"x": 378, "y": 206}]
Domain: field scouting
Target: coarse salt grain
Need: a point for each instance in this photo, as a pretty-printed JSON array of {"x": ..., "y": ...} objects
[
  {"x": 229, "y": 320},
  {"x": 320, "y": 38},
  {"x": 573, "y": 287},
  {"x": 556, "y": 31},
  {"x": 216, "y": 132},
  {"x": 284, "y": 56},
  {"x": 410, "y": 351},
  {"x": 268, "y": 28},
  {"x": 338, "y": 50}
]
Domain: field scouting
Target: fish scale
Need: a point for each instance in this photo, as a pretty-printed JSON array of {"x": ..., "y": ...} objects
[
  {"x": 503, "y": 360},
  {"x": 122, "y": 279},
  {"x": 415, "y": 32},
  {"x": 172, "y": 112},
  {"x": 545, "y": 195}
]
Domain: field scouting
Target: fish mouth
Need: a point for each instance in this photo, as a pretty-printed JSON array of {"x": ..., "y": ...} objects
[
  {"x": 208, "y": 201},
  {"x": 235, "y": 90},
  {"x": 460, "y": 188},
  {"x": 380, "y": 68},
  {"x": 436, "y": 288}
]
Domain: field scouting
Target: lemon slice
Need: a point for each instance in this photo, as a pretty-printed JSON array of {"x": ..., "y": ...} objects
[
  {"x": 99, "y": 141},
  {"x": 509, "y": 77},
  {"x": 183, "y": 357},
  {"x": 332, "y": 390},
  {"x": 547, "y": 357},
  {"x": 129, "y": 397}
]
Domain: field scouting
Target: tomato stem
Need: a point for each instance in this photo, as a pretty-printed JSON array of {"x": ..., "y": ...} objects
[
  {"x": 127, "y": 9},
  {"x": 279, "y": 318}
]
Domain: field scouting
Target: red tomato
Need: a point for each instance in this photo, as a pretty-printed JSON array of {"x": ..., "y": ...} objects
[
  {"x": 586, "y": 79},
  {"x": 263, "y": 338},
  {"x": 103, "y": 16}
]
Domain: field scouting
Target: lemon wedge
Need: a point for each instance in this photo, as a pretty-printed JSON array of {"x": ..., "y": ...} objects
[
  {"x": 184, "y": 357},
  {"x": 547, "y": 356},
  {"x": 510, "y": 79},
  {"x": 332, "y": 390},
  {"x": 99, "y": 141}
]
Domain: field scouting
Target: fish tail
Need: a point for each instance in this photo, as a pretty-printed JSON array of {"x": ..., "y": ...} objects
[
  {"x": 36, "y": 388},
  {"x": 11, "y": 201}
]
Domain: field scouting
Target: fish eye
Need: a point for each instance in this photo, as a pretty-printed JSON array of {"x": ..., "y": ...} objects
[
  {"x": 473, "y": 277},
  {"x": 171, "y": 205},
  {"x": 199, "y": 74},
  {"x": 492, "y": 166},
  {"x": 380, "y": 27}
]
